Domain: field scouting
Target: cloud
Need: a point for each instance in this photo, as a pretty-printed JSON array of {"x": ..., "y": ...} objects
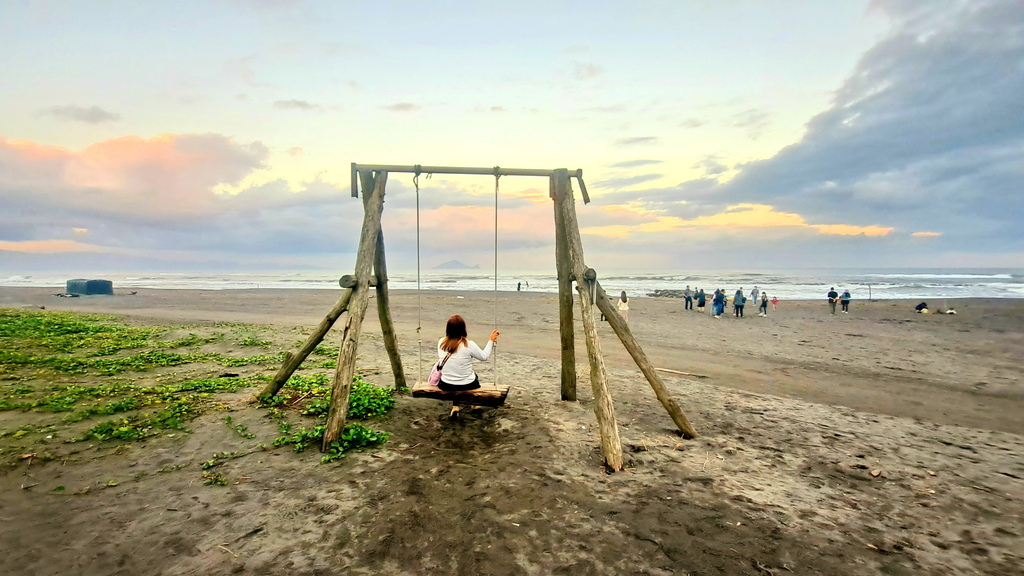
[
  {"x": 745, "y": 216},
  {"x": 926, "y": 234},
  {"x": 152, "y": 203},
  {"x": 301, "y": 105},
  {"x": 626, "y": 181},
  {"x": 403, "y": 107},
  {"x": 585, "y": 70},
  {"x": 636, "y": 141},
  {"x": 51, "y": 247},
  {"x": 75, "y": 113},
  {"x": 753, "y": 121},
  {"x": 691, "y": 123},
  {"x": 926, "y": 132},
  {"x": 634, "y": 163},
  {"x": 711, "y": 166},
  {"x": 171, "y": 175}
]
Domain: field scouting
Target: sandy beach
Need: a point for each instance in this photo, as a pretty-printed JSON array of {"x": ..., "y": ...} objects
[{"x": 879, "y": 441}]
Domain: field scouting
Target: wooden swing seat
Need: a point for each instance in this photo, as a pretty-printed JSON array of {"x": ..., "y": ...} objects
[{"x": 485, "y": 395}]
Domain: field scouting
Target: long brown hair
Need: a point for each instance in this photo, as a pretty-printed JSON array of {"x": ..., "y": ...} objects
[{"x": 454, "y": 334}]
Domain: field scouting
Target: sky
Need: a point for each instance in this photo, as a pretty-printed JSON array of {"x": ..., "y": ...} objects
[{"x": 755, "y": 134}]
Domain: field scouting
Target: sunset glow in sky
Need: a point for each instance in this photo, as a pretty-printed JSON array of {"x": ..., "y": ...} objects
[{"x": 218, "y": 135}]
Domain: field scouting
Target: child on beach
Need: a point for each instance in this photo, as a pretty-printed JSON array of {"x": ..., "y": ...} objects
[
  {"x": 775, "y": 303},
  {"x": 624, "y": 306},
  {"x": 764, "y": 305}
]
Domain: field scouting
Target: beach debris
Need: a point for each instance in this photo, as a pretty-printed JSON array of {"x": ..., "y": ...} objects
[
  {"x": 876, "y": 473},
  {"x": 225, "y": 548},
  {"x": 680, "y": 373},
  {"x": 930, "y": 473}
]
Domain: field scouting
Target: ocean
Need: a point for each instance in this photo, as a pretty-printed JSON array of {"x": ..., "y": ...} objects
[{"x": 802, "y": 284}]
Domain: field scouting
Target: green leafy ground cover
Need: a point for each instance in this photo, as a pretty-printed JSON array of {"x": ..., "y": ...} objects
[{"x": 62, "y": 375}]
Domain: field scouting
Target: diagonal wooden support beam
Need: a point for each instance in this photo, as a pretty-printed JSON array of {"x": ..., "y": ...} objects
[
  {"x": 338, "y": 411},
  {"x": 622, "y": 330}
]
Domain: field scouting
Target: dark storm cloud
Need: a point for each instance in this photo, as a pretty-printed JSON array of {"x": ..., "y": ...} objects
[{"x": 927, "y": 133}]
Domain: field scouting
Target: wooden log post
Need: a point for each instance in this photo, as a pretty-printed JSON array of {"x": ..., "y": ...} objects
[
  {"x": 622, "y": 330},
  {"x": 293, "y": 361},
  {"x": 338, "y": 410},
  {"x": 604, "y": 408},
  {"x": 387, "y": 327},
  {"x": 563, "y": 266}
]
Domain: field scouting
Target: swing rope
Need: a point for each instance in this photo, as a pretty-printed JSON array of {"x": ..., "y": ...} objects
[
  {"x": 494, "y": 348},
  {"x": 419, "y": 300},
  {"x": 419, "y": 287}
]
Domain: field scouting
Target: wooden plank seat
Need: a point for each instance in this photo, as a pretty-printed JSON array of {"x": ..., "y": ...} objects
[{"x": 485, "y": 395}]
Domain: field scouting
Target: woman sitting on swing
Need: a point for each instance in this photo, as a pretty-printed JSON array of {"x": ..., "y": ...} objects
[{"x": 457, "y": 353}]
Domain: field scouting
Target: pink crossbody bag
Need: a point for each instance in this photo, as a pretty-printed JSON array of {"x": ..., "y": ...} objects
[{"x": 435, "y": 373}]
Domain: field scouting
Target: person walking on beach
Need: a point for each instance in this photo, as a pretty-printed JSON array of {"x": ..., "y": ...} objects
[
  {"x": 718, "y": 304},
  {"x": 737, "y": 303},
  {"x": 457, "y": 352},
  {"x": 519, "y": 286},
  {"x": 688, "y": 295},
  {"x": 702, "y": 299},
  {"x": 845, "y": 301},
  {"x": 754, "y": 294},
  {"x": 775, "y": 303},
  {"x": 764, "y": 305},
  {"x": 833, "y": 296},
  {"x": 624, "y": 306}
]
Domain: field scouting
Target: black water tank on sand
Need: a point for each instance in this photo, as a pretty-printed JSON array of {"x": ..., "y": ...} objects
[{"x": 88, "y": 287}]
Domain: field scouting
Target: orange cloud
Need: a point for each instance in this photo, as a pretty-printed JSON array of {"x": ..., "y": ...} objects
[
  {"x": 738, "y": 216},
  {"x": 927, "y": 234},
  {"x": 748, "y": 215},
  {"x": 52, "y": 247},
  {"x": 169, "y": 174}
]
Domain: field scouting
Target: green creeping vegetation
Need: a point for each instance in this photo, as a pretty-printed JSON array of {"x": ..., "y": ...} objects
[
  {"x": 11, "y": 360},
  {"x": 95, "y": 334},
  {"x": 180, "y": 403},
  {"x": 242, "y": 429},
  {"x": 41, "y": 351},
  {"x": 310, "y": 395}
]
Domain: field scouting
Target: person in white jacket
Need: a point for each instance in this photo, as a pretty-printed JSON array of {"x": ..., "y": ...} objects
[{"x": 457, "y": 352}]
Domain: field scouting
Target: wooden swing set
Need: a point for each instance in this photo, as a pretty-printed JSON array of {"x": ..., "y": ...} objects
[{"x": 371, "y": 272}]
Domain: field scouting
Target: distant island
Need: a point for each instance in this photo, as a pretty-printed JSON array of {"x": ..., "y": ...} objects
[{"x": 456, "y": 265}]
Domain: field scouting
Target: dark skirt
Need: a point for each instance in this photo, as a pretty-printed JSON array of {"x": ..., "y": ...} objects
[{"x": 456, "y": 387}]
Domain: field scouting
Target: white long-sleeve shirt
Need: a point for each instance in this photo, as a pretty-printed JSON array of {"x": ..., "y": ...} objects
[{"x": 459, "y": 368}]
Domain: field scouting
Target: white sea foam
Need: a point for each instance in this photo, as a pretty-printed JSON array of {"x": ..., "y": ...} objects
[{"x": 786, "y": 284}]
